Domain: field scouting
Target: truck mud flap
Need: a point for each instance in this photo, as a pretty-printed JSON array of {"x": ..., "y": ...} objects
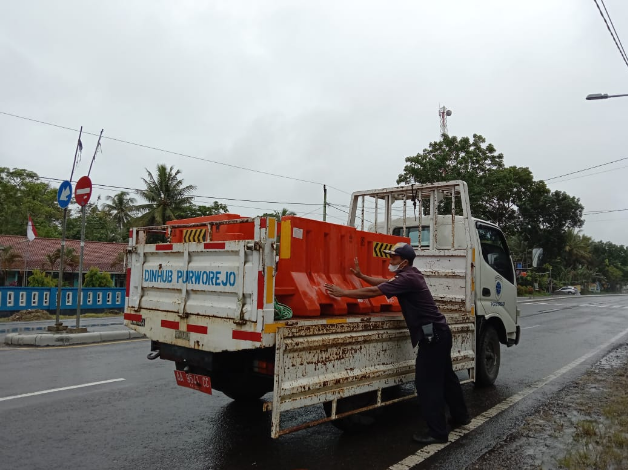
[{"x": 326, "y": 362}]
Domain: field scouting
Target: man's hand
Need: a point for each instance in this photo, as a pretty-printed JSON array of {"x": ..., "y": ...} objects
[
  {"x": 334, "y": 291},
  {"x": 356, "y": 271}
]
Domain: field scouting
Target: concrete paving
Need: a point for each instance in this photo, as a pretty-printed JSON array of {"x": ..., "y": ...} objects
[{"x": 66, "y": 339}]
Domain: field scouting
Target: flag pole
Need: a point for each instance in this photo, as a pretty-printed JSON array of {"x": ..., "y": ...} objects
[{"x": 58, "y": 326}]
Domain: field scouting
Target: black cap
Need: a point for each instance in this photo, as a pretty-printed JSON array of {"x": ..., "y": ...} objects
[{"x": 402, "y": 249}]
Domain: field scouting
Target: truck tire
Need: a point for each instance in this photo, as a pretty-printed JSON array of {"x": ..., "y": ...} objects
[
  {"x": 488, "y": 357},
  {"x": 355, "y": 422},
  {"x": 243, "y": 387}
]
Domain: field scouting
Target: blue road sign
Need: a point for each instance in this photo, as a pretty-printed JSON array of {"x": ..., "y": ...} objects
[
  {"x": 519, "y": 265},
  {"x": 64, "y": 195}
]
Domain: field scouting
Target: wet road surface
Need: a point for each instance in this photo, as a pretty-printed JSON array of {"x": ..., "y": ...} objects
[{"x": 147, "y": 422}]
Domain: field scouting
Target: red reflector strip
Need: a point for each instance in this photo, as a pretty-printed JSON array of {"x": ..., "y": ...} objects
[
  {"x": 247, "y": 335},
  {"x": 133, "y": 317},
  {"x": 214, "y": 246},
  {"x": 128, "y": 281},
  {"x": 163, "y": 247},
  {"x": 263, "y": 222},
  {"x": 197, "y": 329},
  {"x": 173, "y": 325},
  {"x": 260, "y": 290}
]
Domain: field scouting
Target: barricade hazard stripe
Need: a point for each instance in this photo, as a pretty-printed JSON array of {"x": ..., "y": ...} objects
[
  {"x": 378, "y": 249},
  {"x": 247, "y": 335},
  {"x": 272, "y": 227},
  {"x": 173, "y": 325},
  {"x": 214, "y": 246},
  {"x": 273, "y": 327},
  {"x": 194, "y": 235},
  {"x": 133, "y": 317},
  {"x": 163, "y": 247},
  {"x": 262, "y": 223},
  {"x": 197, "y": 329}
]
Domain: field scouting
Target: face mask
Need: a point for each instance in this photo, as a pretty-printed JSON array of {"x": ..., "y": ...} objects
[{"x": 393, "y": 267}]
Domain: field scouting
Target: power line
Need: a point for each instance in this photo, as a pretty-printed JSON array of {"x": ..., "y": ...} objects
[
  {"x": 106, "y": 186},
  {"x": 591, "y": 174},
  {"x": 585, "y": 169},
  {"x": 614, "y": 30},
  {"x": 620, "y": 49},
  {"x": 604, "y": 211},
  {"x": 157, "y": 149}
]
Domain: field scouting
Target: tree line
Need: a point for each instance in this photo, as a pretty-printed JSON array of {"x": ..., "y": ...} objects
[{"x": 529, "y": 213}]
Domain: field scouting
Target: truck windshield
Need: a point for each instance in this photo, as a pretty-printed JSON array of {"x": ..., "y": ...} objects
[{"x": 413, "y": 234}]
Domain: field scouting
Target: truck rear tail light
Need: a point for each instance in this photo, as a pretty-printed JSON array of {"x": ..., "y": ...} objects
[{"x": 264, "y": 367}]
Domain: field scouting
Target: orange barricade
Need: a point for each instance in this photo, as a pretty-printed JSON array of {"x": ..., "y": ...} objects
[
  {"x": 373, "y": 262},
  {"x": 220, "y": 233},
  {"x": 313, "y": 253}
]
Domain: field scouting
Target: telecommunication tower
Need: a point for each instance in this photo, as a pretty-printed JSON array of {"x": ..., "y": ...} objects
[{"x": 443, "y": 114}]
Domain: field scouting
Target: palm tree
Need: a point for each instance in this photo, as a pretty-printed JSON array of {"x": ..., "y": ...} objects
[
  {"x": 52, "y": 258},
  {"x": 165, "y": 196},
  {"x": 8, "y": 256},
  {"x": 279, "y": 214},
  {"x": 576, "y": 252},
  {"x": 71, "y": 258},
  {"x": 121, "y": 207}
]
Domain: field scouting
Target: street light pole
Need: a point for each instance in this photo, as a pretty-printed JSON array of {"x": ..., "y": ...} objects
[{"x": 602, "y": 96}]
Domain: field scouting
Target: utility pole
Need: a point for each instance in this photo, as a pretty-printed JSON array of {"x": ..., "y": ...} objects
[
  {"x": 58, "y": 326},
  {"x": 324, "y": 203},
  {"x": 80, "y": 283}
]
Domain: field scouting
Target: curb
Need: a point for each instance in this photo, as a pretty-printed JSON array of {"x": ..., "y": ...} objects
[
  {"x": 64, "y": 339},
  {"x": 22, "y": 329}
]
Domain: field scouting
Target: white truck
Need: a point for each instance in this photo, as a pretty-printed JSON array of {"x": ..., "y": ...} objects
[{"x": 208, "y": 306}]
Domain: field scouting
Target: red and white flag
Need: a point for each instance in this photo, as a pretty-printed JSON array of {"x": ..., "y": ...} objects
[{"x": 31, "y": 231}]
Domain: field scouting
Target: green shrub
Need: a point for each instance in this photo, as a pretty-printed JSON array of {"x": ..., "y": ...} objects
[
  {"x": 530, "y": 290},
  {"x": 96, "y": 278},
  {"x": 39, "y": 279}
]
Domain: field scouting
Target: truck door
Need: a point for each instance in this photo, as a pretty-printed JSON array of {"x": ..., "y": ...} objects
[{"x": 497, "y": 291}]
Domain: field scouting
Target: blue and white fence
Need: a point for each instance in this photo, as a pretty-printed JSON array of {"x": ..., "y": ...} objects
[{"x": 94, "y": 299}]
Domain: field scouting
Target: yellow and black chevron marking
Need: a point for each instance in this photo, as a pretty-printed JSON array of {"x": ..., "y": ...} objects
[
  {"x": 378, "y": 248},
  {"x": 194, "y": 235}
]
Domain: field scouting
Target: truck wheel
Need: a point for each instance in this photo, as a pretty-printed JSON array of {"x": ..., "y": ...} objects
[
  {"x": 488, "y": 357},
  {"x": 356, "y": 421},
  {"x": 243, "y": 387}
]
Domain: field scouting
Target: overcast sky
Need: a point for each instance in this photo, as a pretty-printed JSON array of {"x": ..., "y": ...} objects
[{"x": 332, "y": 92}]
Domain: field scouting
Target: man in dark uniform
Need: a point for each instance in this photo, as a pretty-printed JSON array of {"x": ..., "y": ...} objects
[{"x": 436, "y": 382}]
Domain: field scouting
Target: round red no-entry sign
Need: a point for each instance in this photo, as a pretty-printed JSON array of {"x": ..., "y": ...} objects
[{"x": 83, "y": 190}]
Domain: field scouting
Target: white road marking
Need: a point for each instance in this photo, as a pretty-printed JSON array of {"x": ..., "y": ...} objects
[
  {"x": 60, "y": 389},
  {"x": 429, "y": 450},
  {"x": 528, "y": 327}
]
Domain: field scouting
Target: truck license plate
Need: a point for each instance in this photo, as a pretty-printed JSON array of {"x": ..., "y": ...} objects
[
  {"x": 178, "y": 334},
  {"x": 193, "y": 381}
]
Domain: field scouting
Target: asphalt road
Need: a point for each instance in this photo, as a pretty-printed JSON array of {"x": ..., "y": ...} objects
[{"x": 147, "y": 422}]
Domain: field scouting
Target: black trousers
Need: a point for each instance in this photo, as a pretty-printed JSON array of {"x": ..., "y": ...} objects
[{"x": 437, "y": 384}]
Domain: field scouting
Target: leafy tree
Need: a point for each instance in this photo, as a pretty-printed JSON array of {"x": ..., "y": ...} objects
[
  {"x": 8, "y": 257},
  {"x": 119, "y": 261},
  {"x": 40, "y": 279},
  {"x": 279, "y": 214},
  {"x": 453, "y": 158},
  {"x": 96, "y": 278},
  {"x": 121, "y": 207},
  {"x": 21, "y": 194},
  {"x": 546, "y": 218},
  {"x": 166, "y": 196},
  {"x": 193, "y": 210}
]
